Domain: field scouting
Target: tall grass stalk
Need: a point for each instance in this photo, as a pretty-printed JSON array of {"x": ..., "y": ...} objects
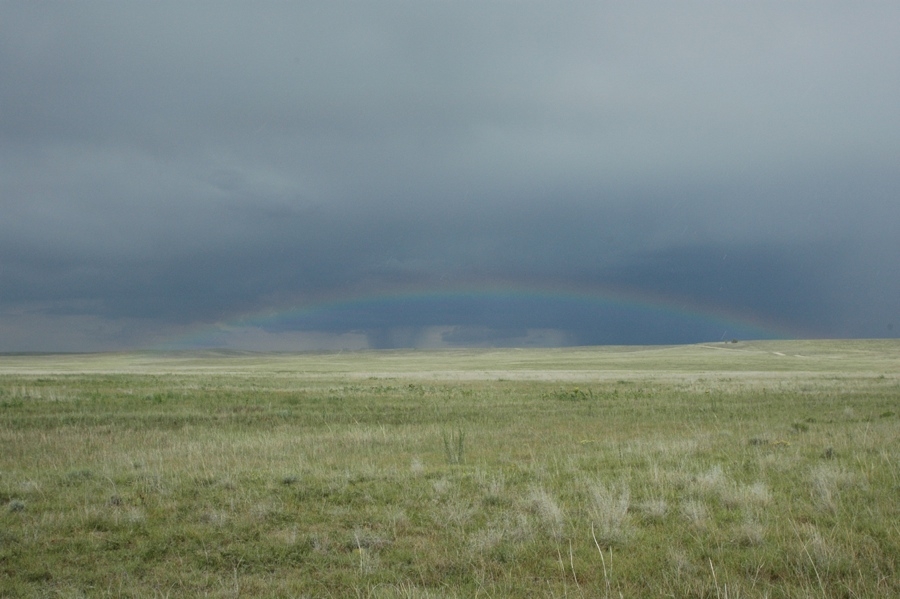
[{"x": 454, "y": 446}]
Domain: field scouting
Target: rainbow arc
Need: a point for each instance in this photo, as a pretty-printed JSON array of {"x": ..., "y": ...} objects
[{"x": 589, "y": 317}]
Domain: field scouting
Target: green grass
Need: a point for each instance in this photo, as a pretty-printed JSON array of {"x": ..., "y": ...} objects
[{"x": 763, "y": 469}]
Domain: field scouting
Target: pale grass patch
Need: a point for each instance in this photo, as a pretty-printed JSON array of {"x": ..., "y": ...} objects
[
  {"x": 713, "y": 481},
  {"x": 367, "y": 539},
  {"x": 131, "y": 515},
  {"x": 608, "y": 510},
  {"x": 517, "y": 527},
  {"x": 758, "y": 493},
  {"x": 779, "y": 460},
  {"x": 497, "y": 486},
  {"x": 416, "y": 467},
  {"x": 826, "y": 481},
  {"x": 653, "y": 509},
  {"x": 544, "y": 506},
  {"x": 215, "y": 517},
  {"x": 696, "y": 512},
  {"x": 29, "y": 487},
  {"x": 681, "y": 563},
  {"x": 485, "y": 539},
  {"x": 263, "y": 510},
  {"x": 288, "y": 536},
  {"x": 227, "y": 482},
  {"x": 405, "y": 590},
  {"x": 441, "y": 486},
  {"x": 673, "y": 448},
  {"x": 369, "y": 560},
  {"x": 654, "y": 473},
  {"x": 50, "y": 395},
  {"x": 751, "y": 533},
  {"x": 366, "y": 550},
  {"x": 321, "y": 543},
  {"x": 823, "y": 553},
  {"x": 366, "y": 436},
  {"x": 361, "y": 469},
  {"x": 513, "y": 527},
  {"x": 92, "y": 514},
  {"x": 458, "y": 512},
  {"x": 493, "y": 487},
  {"x": 743, "y": 496}
]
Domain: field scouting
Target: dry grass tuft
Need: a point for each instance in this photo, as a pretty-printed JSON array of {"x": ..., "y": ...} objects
[
  {"x": 653, "y": 510},
  {"x": 826, "y": 483},
  {"x": 695, "y": 512},
  {"x": 751, "y": 533},
  {"x": 608, "y": 510},
  {"x": 543, "y": 505},
  {"x": 752, "y": 496}
]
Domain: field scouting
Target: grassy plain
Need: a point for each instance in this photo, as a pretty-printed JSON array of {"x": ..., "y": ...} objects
[{"x": 752, "y": 469}]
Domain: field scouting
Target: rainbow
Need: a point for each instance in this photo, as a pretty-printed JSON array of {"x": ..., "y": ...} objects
[{"x": 590, "y": 316}]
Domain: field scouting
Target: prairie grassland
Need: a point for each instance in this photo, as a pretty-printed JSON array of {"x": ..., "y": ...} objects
[{"x": 762, "y": 469}]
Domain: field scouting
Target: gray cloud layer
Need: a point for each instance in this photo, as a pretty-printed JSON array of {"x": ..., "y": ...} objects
[{"x": 165, "y": 166}]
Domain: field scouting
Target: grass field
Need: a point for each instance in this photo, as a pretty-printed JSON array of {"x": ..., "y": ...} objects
[{"x": 752, "y": 469}]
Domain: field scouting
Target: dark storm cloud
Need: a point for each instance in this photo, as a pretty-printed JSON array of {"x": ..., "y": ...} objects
[{"x": 166, "y": 165}]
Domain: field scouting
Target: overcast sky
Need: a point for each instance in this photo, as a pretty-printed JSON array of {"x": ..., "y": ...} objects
[{"x": 438, "y": 173}]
